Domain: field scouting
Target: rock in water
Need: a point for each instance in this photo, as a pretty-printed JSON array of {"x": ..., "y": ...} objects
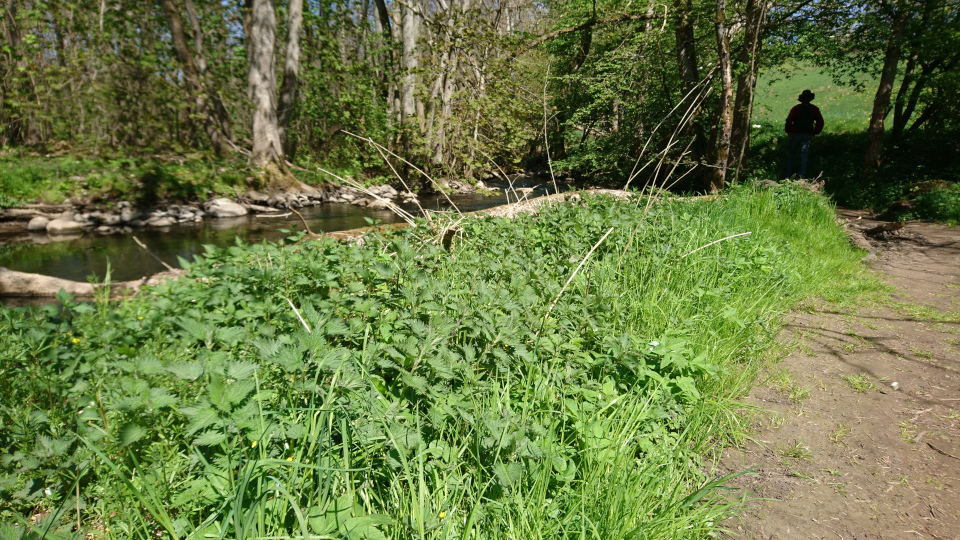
[
  {"x": 63, "y": 226},
  {"x": 226, "y": 208},
  {"x": 38, "y": 223}
]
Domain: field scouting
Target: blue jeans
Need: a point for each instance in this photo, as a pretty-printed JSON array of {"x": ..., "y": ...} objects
[{"x": 798, "y": 141}]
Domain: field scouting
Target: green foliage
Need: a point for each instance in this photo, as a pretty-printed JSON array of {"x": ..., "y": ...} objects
[
  {"x": 142, "y": 180},
  {"x": 398, "y": 389}
]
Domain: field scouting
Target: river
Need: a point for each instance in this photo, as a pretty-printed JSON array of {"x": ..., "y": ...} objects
[{"x": 86, "y": 256}]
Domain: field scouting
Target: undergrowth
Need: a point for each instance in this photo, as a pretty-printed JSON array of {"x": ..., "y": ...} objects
[
  {"x": 30, "y": 178},
  {"x": 401, "y": 389}
]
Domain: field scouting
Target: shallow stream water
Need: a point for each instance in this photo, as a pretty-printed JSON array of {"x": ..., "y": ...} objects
[{"x": 82, "y": 256}]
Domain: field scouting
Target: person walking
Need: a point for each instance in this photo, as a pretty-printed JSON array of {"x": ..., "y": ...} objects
[{"x": 803, "y": 124}]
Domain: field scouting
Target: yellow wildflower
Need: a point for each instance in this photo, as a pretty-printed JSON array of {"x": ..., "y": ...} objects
[
  {"x": 443, "y": 515},
  {"x": 253, "y": 444},
  {"x": 75, "y": 340},
  {"x": 290, "y": 459}
]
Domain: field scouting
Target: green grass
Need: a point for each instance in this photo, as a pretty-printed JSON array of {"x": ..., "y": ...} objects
[
  {"x": 398, "y": 389},
  {"x": 861, "y": 383}
]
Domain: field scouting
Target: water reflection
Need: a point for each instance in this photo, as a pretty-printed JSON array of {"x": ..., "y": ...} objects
[{"x": 77, "y": 257}]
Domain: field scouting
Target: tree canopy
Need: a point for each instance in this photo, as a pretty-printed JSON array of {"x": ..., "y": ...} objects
[{"x": 610, "y": 90}]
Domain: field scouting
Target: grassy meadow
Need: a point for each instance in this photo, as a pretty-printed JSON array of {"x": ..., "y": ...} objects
[{"x": 568, "y": 375}]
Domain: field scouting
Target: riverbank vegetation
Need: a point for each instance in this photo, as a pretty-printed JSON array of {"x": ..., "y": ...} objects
[
  {"x": 565, "y": 374},
  {"x": 28, "y": 177}
]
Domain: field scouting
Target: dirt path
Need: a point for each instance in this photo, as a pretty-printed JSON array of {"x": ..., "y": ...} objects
[{"x": 845, "y": 452}]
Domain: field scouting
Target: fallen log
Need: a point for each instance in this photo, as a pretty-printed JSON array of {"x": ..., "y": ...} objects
[{"x": 23, "y": 284}]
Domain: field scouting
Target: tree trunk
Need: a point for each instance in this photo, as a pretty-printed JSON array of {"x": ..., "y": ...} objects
[
  {"x": 756, "y": 15},
  {"x": 267, "y": 152},
  {"x": 410, "y": 32},
  {"x": 195, "y": 87},
  {"x": 881, "y": 103},
  {"x": 899, "y": 116},
  {"x": 689, "y": 74},
  {"x": 718, "y": 175},
  {"x": 291, "y": 67},
  {"x": 13, "y": 119}
]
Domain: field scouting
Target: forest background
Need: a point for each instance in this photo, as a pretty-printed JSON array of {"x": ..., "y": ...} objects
[{"x": 613, "y": 93}]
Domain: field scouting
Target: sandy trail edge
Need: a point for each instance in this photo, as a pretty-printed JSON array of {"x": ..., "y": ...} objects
[{"x": 883, "y": 464}]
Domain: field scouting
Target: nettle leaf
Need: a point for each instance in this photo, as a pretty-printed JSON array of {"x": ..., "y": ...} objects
[
  {"x": 442, "y": 366},
  {"x": 289, "y": 358},
  {"x": 200, "y": 417},
  {"x": 150, "y": 365},
  {"x": 210, "y": 438},
  {"x": 365, "y": 527},
  {"x": 131, "y": 433},
  {"x": 241, "y": 370},
  {"x": 160, "y": 398},
  {"x": 188, "y": 371},
  {"x": 336, "y": 327},
  {"x": 195, "y": 329},
  {"x": 268, "y": 347},
  {"x": 508, "y": 475},
  {"x": 237, "y": 391},
  {"x": 231, "y": 335},
  {"x": 415, "y": 382}
]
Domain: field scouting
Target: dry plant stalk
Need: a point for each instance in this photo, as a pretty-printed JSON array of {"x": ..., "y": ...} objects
[
  {"x": 159, "y": 260},
  {"x": 406, "y": 216},
  {"x": 546, "y": 140},
  {"x": 294, "y": 308},
  {"x": 715, "y": 242},
  {"x": 382, "y": 149},
  {"x": 573, "y": 275}
]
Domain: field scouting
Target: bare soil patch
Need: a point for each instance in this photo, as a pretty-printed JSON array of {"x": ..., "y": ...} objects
[{"x": 861, "y": 434}]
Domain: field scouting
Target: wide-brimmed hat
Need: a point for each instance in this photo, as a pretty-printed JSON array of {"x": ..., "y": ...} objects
[{"x": 806, "y": 95}]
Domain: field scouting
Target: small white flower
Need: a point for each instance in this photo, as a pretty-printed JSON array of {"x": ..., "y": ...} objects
[
  {"x": 757, "y": 126},
  {"x": 47, "y": 492}
]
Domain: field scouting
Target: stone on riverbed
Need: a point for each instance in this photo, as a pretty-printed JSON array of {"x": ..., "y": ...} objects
[
  {"x": 161, "y": 221},
  {"x": 64, "y": 226},
  {"x": 130, "y": 214},
  {"x": 226, "y": 208},
  {"x": 38, "y": 223}
]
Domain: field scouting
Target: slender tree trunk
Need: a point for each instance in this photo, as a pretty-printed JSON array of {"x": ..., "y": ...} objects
[
  {"x": 748, "y": 61},
  {"x": 718, "y": 175},
  {"x": 195, "y": 87},
  {"x": 291, "y": 67},
  {"x": 14, "y": 119},
  {"x": 909, "y": 78},
  {"x": 384, "y": 19},
  {"x": 881, "y": 103},
  {"x": 689, "y": 74},
  {"x": 410, "y": 31},
  {"x": 267, "y": 149}
]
